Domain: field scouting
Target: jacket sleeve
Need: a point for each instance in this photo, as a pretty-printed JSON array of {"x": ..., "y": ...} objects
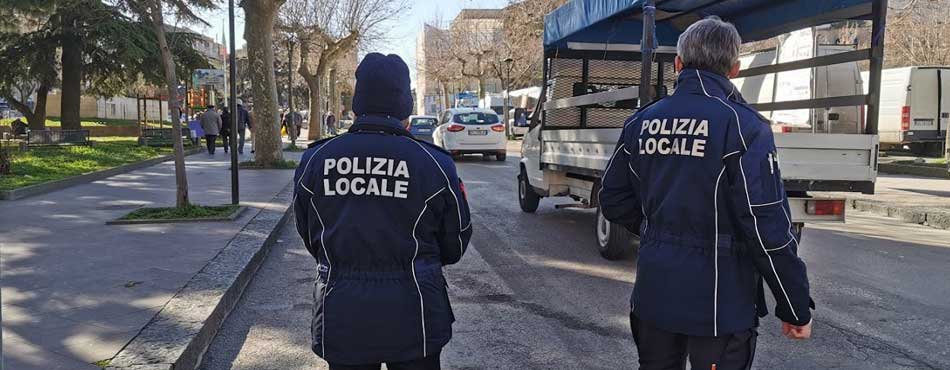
[
  {"x": 308, "y": 224},
  {"x": 619, "y": 194},
  {"x": 456, "y": 229},
  {"x": 761, "y": 208}
]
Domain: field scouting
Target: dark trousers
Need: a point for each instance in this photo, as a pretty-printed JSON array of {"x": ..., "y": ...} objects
[
  {"x": 241, "y": 141},
  {"x": 226, "y": 140},
  {"x": 210, "y": 141},
  {"x": 662, "y": 350},
  {"x": 431, "y": 362}
]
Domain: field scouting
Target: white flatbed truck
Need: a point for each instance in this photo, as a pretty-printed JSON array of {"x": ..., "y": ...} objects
[{"x": 593, "y": 87}]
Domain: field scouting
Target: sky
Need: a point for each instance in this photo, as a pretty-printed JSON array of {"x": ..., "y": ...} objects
[{"x": 402, "y": 32}]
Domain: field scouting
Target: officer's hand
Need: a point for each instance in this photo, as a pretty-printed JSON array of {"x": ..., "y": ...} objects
[{"x": 796, "y": 332}]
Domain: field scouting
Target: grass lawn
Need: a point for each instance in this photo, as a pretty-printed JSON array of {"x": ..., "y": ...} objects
[
  {"x": 189, "y": 212},
  {"x": 285, "y": 164},
  {"x": 39, "y": 165},
  {"x": 55, "y": 122}
]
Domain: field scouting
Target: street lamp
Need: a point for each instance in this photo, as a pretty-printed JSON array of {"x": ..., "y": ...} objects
[
  {"x": 507, "y": 82},
  {"x": 291, "y": 118},
  {"x": 232, "y": 107}
]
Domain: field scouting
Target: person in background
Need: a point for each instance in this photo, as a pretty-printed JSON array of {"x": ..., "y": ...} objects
[
  {"x": 18, "y": 127},
  {"x": 211, "y": 125},
  {"x": 243, "y": 123},
  {"x": 331, "y": 124},
  {"x": 226, "y": 128}
]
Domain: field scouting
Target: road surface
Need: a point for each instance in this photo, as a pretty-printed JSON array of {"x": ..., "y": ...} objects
[{"x": 533, "y": 293}]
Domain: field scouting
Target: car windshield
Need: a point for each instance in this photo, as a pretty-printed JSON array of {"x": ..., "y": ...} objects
[
  {"x": 423, "y": 122},
  {"x": 475, "y": 118}
]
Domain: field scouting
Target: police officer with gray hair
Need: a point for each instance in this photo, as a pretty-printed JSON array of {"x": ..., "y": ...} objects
[{"x": 696, "y": 175}]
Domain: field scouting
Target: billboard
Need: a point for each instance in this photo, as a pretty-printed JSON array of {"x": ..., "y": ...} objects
[{"x": 214, "y": 78}]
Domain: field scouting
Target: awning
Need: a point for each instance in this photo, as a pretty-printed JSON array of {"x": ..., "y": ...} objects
[{"x": 587, "y": 22}]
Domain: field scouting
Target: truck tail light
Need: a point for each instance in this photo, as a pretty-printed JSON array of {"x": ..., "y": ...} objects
[
  {"x": 498, "y": 128},
  {"x": 905, "y": 118},
  {"x": 825, "y": 207},
  {"x": 455, "y": 128}
]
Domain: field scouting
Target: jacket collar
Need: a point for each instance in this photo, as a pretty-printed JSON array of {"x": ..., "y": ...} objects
[
  {"x": 695, "y": 81},
  {"x": 379, "y": 123}
]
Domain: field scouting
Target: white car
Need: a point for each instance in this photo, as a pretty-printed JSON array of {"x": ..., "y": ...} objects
[{"x": 471, "y": 131}]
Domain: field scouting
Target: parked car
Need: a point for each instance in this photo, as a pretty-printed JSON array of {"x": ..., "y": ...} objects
[
  {"x": 471, "y": 131},
  {"x": 421, "y": 127}
]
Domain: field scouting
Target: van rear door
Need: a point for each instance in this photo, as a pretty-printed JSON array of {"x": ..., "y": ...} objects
[
  {"x": 944, "y": 93},
  {"x": 923, "y": 104}
]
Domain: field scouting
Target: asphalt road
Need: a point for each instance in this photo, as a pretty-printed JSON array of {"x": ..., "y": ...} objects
[{"x": 533, "y": 293}]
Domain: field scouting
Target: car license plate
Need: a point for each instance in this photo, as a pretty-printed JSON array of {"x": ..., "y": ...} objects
[
  {"x": 478, "y": 132},
  {"x": 424, "y": 130}
]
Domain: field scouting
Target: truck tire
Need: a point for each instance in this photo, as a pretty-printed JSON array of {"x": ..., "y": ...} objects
[
  {"x": 501, "y": 157},
  {"x": 614, "y": 242},
  {"x": 528, "y": 199}
]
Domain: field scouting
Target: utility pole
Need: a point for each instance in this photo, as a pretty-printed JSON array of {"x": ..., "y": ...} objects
[
  {"x": 232, "y": 107},
  {"x": 505, "y": 104}
]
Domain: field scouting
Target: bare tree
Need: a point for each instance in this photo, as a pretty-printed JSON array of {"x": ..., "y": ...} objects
[
  {"x": 524, "y": 30},
  {"x": 328, "y": 30},
  {"x": 474, "y": 46},
  {"x": 153, "y": 12},
  {"x": 918, "y": 33},
  {"x": 440, "y": 67},
  {"x": 261, "y": 16}
]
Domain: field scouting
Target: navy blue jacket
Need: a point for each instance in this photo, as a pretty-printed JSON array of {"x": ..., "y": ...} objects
[
  {"x": 696, "y": 174},
  {"x": 381, "y": 213}
]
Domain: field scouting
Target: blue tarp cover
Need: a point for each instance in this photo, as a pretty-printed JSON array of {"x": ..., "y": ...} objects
[{"x": 618, "y": 21}]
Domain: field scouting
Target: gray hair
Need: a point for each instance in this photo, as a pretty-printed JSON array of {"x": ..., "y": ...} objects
[{"x": 711, "y": 45}]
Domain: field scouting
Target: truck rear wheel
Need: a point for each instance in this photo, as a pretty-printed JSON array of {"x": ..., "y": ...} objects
[
  {"x": 614, "y": 242},
  {"x": 527, "y": 198}
]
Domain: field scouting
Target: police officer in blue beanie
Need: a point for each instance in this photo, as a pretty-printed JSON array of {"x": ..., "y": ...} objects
[
  {"x": 696, "y": 175},
  {"x": 382, "y": 213}
]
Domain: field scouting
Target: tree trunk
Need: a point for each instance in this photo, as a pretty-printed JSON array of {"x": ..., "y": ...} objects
[
  {"x": 444, "y": 94},
  {"x": 315, "y": 123},
  {"x": 334, "y": 97},
  {"x": 481, "y": 88},
  {"x": 171, "y": 80},
  {"x": 260, "y": 16},
  {"x": 71, "y": 61},
  {"x": 38, "y": 119}
]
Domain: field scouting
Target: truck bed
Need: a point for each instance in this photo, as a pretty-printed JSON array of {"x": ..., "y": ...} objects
[{"x": 808, "y": 161}]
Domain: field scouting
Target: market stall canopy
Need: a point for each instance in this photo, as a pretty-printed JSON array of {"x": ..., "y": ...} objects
[{"x": 616, "y": 24}]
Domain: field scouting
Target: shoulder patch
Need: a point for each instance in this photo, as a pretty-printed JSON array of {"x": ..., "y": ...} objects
[
  {"x": 321, "y": 141},
  {"x": 751, "y": 110},
  {"x": 432, "y": 146},
  {"x": 649, "y": 104}
]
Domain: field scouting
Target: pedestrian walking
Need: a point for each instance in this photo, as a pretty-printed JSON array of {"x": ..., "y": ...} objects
[
  {"x": 696, "y": 175},
  {"x": 331, "y": 124},
  {"x": 382, "y": 213},
  {"x": 211, "y": 125},
  {"x": 226, "y": 128},
  {"x": 243, "y": 123}
]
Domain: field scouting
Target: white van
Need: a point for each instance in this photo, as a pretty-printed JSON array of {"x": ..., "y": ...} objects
[
  {"x": 915, "y": 108},
  {"x": 821, "y": 82}
]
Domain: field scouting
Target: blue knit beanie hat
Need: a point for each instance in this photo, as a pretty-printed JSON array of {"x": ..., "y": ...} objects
[{"x": 382, "y": 87}]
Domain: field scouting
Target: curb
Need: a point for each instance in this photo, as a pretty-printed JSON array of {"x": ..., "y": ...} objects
[
  {"x": 49, "y": 187},
  {"x": 938, "y": 218},
  {"x": 906, "y": 169},
  {"x": 233, "y": 216},
  {"x": 180, "y": 334}
]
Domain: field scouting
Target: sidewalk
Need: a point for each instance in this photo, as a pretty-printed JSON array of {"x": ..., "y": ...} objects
[
  {"x": 921, "y": 200},
  {"x": 75, "y": 290}
]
